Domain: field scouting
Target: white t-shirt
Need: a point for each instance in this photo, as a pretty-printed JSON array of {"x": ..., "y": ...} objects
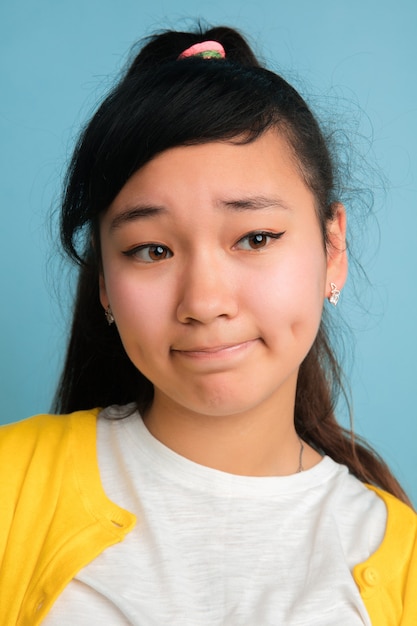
[{"x": 216, "y": 549}]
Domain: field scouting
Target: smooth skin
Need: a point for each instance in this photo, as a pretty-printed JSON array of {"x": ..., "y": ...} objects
[{"x": 216, "y": 272}]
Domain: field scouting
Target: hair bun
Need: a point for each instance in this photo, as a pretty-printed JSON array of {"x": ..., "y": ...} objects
[{"x": 170, "y": 45}]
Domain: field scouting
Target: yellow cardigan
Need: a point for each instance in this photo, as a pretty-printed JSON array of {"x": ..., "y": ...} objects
[{"x": 55, "y": 518}]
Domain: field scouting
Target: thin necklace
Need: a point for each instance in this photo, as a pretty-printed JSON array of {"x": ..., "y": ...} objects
[{"x": 300, "y": 458}]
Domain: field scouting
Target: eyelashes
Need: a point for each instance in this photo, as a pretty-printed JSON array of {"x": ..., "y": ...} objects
[
  {"x": 149, "y": 253},
  {"x": 257, "y": 240},
  {"x": 156, "y": 252}
]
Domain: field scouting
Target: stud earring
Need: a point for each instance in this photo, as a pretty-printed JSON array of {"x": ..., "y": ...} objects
[
  {"x": 109, "y": 315},
  {"x": 334, "y": 294}
]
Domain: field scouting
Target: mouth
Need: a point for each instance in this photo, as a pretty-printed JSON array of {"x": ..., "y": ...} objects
[{"x": 215, "y": 351}]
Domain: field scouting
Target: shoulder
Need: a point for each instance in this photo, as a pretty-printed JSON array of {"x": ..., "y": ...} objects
[
  {"x": 388, "y": 579},
  {"x": 54, "y": 514},
  {"x": 43, "y": 439},
  {"x": 44, "y": 459},
  {"x": 34, "y": 428},
  {"x": 401, "y": 530}
]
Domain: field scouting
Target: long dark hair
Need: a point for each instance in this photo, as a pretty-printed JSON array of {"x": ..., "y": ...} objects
[{"x": 162, "y": 102}]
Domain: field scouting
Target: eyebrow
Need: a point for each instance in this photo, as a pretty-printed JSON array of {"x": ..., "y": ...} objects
[
  {"x": 252, "y": 203},
  {"x": 135, "y": 213}
]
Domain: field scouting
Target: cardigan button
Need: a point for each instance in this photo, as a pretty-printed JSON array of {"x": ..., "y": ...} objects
[
  {"x": 370, "y": 576},
  {"x": 40, "y": 604}
]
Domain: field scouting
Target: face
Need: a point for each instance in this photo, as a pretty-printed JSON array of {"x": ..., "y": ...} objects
[{"x": 215, "y": 270}]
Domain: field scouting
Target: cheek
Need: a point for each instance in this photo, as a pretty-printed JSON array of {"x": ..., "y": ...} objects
[
  {"x": 290, "y": 294},
  {"x": 139, "y": 307}
]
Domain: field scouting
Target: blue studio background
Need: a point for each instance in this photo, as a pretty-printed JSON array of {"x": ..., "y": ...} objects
[{"x": 353, "y": 60}]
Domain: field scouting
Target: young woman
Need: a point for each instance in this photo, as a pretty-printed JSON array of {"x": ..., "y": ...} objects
[{"x": 195, "y": 472}]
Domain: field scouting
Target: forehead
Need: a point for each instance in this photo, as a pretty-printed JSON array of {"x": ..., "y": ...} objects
[{"x": 216, "y": 173}]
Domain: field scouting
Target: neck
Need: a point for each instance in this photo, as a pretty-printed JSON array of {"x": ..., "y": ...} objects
[{"x": 263, "y": 443}]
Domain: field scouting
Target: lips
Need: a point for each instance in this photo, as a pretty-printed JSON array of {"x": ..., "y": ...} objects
[{"x": 214, "y": 349}]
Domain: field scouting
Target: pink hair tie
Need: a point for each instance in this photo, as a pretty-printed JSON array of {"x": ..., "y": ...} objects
[{"x": 205, "y": 50}]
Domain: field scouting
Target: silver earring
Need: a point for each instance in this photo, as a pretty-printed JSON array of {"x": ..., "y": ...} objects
[
  {"x": 109, "y": 315},
  {"x": 334, "y": 294}
]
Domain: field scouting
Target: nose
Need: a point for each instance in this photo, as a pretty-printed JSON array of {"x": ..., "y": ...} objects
[{"x": 207, "y": 290}]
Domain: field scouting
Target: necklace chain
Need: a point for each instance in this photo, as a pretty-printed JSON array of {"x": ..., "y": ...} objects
[{"x": 300, "y": 458}]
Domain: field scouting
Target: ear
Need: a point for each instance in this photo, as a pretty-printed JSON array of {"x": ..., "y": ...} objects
[
  {"x": 337, "y": 262},
  {"x": 103, "y": 291},
  {"x": 101, "y": 282}
]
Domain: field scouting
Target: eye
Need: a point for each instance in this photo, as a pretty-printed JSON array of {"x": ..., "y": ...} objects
[
  {"x": 257, "y": 240},
  {"x": 149, "y": 253}
]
